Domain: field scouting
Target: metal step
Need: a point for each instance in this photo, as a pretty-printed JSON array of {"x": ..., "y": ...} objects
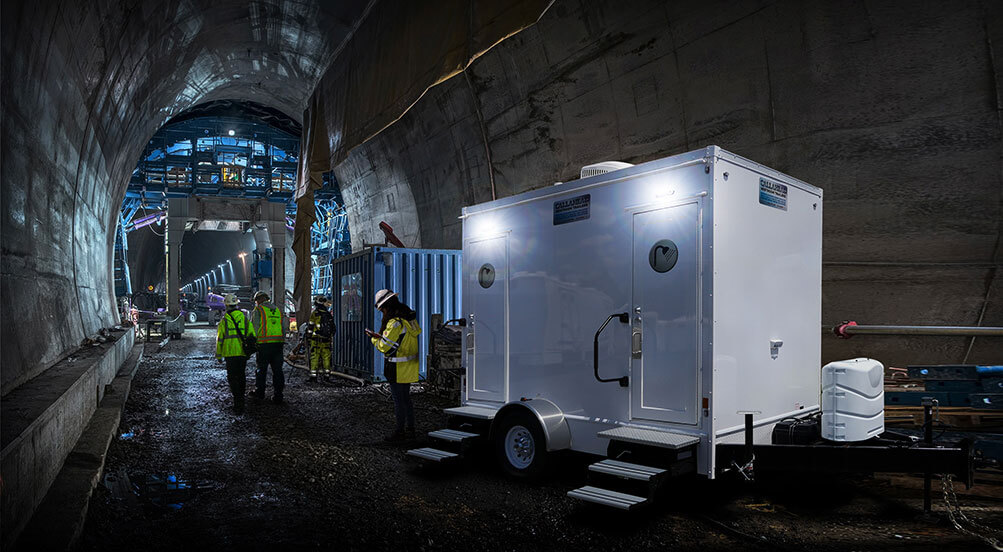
[
  {"x": 606, "y": 497},
  {"x": 432, "y": 455},
  {"x": 627, "y": 470},
  {"x": 452, "y": 435},
  {"x": 470, "y": 411},
  {"x": 655, "y": 438}
]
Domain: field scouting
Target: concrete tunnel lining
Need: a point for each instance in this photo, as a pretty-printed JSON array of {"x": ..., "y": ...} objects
[{"x": 94, "y": 82}]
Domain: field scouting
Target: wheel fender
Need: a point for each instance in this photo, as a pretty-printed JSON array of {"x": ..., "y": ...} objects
[{"x": 552, "y": 422}]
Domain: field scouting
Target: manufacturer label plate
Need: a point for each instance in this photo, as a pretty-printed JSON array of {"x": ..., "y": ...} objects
[
  {"x": 572, "y": 209},
  {"x": 773, "y": 194}
]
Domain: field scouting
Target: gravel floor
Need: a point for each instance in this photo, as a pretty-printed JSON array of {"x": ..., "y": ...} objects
[{"x": 314, "y": 473}]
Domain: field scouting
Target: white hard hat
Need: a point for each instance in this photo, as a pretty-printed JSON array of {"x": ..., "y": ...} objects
[
  {"x": 382, "y": 296},
  {"x": 230, "y": 300}
]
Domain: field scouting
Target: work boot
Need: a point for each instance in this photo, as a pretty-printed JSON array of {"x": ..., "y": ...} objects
[
  {"x": 313, "y": 378},
  {"x": 395, "y": 437}
]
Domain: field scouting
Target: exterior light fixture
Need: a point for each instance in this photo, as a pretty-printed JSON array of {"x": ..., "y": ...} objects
[{"x": 231, "y": 132}]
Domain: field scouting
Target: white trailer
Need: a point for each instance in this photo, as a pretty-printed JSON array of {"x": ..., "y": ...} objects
[{"x": 651, "y": 306}]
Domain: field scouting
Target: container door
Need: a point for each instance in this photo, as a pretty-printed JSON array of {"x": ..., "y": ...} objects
[
  {"x": 487, "y": 302},
  {"x": 665, "y": 347}
]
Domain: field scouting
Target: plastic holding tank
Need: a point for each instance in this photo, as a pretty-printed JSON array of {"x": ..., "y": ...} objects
[{"x": 853, "y": 400}]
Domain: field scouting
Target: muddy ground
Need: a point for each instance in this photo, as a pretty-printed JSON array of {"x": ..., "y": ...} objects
[{"x": 315, "y": 474}]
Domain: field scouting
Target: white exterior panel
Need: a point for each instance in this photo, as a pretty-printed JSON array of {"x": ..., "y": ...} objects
[{"x": 767, "y": 289}]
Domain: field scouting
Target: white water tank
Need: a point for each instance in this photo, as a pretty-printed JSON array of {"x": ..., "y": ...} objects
[{"x": 853, "y": 399}]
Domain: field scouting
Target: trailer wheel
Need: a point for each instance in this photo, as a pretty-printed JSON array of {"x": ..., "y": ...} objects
[{"x": 520, "y": 446}]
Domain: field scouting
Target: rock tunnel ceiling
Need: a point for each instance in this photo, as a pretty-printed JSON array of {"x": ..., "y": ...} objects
[
  {"x": 85, "y": 84},
  {"x": 894, "y": 110}
]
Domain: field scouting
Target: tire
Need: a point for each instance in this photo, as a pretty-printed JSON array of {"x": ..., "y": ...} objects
[
  {"x": 192, "y": 317},
  {"x": 520, "y": 446}
]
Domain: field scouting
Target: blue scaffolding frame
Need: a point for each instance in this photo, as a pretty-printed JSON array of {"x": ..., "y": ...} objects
[{"x": 229, "y": 157}]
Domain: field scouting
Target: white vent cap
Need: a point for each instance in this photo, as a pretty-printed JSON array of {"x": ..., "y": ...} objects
[{"x": 603, "y": 168}]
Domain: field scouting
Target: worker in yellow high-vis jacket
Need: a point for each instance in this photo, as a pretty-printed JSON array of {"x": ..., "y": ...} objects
[
  {"x": 233, "y": 328},
  {"x": 270, "y": 328},
  {"x": 398, "y": 341}
]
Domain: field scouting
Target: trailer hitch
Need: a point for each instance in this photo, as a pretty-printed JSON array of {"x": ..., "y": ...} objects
[{"x": 623, "y": 381}]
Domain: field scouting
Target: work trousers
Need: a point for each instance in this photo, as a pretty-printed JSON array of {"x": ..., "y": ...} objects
[
  {"x": 236, "y": 376},
  {"x": 404, "y": 410},
  {"x": 269, "y": 354},
  {"x": 320, "y": 358}
]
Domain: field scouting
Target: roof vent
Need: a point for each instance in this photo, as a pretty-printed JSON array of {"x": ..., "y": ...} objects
[{"x": 602, "y": 168}]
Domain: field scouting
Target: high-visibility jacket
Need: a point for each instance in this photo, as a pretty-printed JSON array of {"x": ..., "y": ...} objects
[
  {"x": 268, "y": 324},
  {"x": 322, "y": 323},
  {"x": 399, "y": 345},
  {"x": 228, "y": 342}
]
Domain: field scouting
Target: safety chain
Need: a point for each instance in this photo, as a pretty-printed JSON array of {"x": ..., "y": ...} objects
[{"x": 955, "y": 513}]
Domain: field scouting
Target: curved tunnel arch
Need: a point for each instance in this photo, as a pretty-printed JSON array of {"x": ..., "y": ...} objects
[
  {"x": 85, "y": 87},
  {"x": 799, "y": 89}
]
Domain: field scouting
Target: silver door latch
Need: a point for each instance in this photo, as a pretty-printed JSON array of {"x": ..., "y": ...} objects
[{"x": 775, "y": 345}]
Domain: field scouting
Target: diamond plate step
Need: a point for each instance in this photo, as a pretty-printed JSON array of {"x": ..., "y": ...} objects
[
  {"x": 452, "y": 435},
  {"x": 432, "y": 455},
  {"x": 663, "y": 439},
  {"x": 627, "y": 470},
  {"x": 606, "y": 497}
]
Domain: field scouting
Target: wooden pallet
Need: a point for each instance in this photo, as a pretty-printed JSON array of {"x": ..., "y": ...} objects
[{"x": 955, "y": 416}]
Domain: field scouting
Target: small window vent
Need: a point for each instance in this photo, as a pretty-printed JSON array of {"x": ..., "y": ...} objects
[{"x": 602, "y": 168}]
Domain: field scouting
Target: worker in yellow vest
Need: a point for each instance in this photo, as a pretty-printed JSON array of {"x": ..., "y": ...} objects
[
  {"x": 270, "y": 327},
  {"x": 398, "y": 341},
  {"x": 230, "y": 334}
]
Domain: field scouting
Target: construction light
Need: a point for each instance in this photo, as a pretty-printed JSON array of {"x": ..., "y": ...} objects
[{"x": 230, "y": 132}]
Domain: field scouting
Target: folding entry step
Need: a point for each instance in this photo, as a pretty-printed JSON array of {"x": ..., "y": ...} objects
[
  {"x": 650, "y": 437},
  {"x": 626, "y": 470},
  {"x": 457, "y": 441},
  {"x": 433, "y": 455},
  {"x": 470, "y": 411},
  {"x": 452, "y": 435},
  {"x": 606, "y": 497}
]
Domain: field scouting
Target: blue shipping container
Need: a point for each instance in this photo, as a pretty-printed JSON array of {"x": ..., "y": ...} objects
[{"x": 427, "y": 280}]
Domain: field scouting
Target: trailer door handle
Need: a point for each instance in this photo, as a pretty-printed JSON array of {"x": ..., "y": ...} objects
[
  {"x": 623, "y": 381},
  {"x": 635, "y": 343}
]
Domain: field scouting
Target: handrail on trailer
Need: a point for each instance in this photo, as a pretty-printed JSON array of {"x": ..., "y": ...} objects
[{"x": 624, "y": 318}]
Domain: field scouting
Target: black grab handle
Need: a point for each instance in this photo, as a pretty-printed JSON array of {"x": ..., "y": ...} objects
[{"x": 624, "y": 317}]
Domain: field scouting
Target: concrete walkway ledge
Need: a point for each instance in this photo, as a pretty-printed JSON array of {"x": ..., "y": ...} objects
[{"x": 47, "y": 420}]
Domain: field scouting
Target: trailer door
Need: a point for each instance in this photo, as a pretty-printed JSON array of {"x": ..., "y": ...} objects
[
  {"x": 486, "y": 262},
  {"x": 665, "y": 314}
]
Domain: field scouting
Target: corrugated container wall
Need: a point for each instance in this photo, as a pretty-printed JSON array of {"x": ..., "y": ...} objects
[{"x": 427, "y": 280}]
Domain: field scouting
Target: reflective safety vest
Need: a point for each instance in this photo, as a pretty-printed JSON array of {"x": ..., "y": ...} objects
[
  {"x": 399, "y": 345},
  {"x": 228, "y": 342},
  {"x": 267, "y": 321}
]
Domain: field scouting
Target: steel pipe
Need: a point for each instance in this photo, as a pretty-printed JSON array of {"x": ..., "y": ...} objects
[{"x": 850, "y": 328}]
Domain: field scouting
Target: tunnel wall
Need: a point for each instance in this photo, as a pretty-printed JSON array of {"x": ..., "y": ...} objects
[
  {"x": 84, "y": 87},
  {"x": 892, "y": 108}
]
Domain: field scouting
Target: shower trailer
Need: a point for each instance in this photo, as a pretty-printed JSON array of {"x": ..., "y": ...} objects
[{"x": 652, "y": 305}]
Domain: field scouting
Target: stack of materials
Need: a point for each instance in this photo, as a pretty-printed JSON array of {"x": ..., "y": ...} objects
[
  {"x": 960, "y": 385},
  {"x": 966, "y": 395}
]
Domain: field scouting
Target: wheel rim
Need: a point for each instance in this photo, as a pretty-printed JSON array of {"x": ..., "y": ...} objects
[
  {"x": 191, "y": 317},
  {"x": 520, "y": 447}
]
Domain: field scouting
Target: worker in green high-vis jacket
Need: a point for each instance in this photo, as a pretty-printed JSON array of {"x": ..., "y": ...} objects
[{"x": 230, "y": 334}]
